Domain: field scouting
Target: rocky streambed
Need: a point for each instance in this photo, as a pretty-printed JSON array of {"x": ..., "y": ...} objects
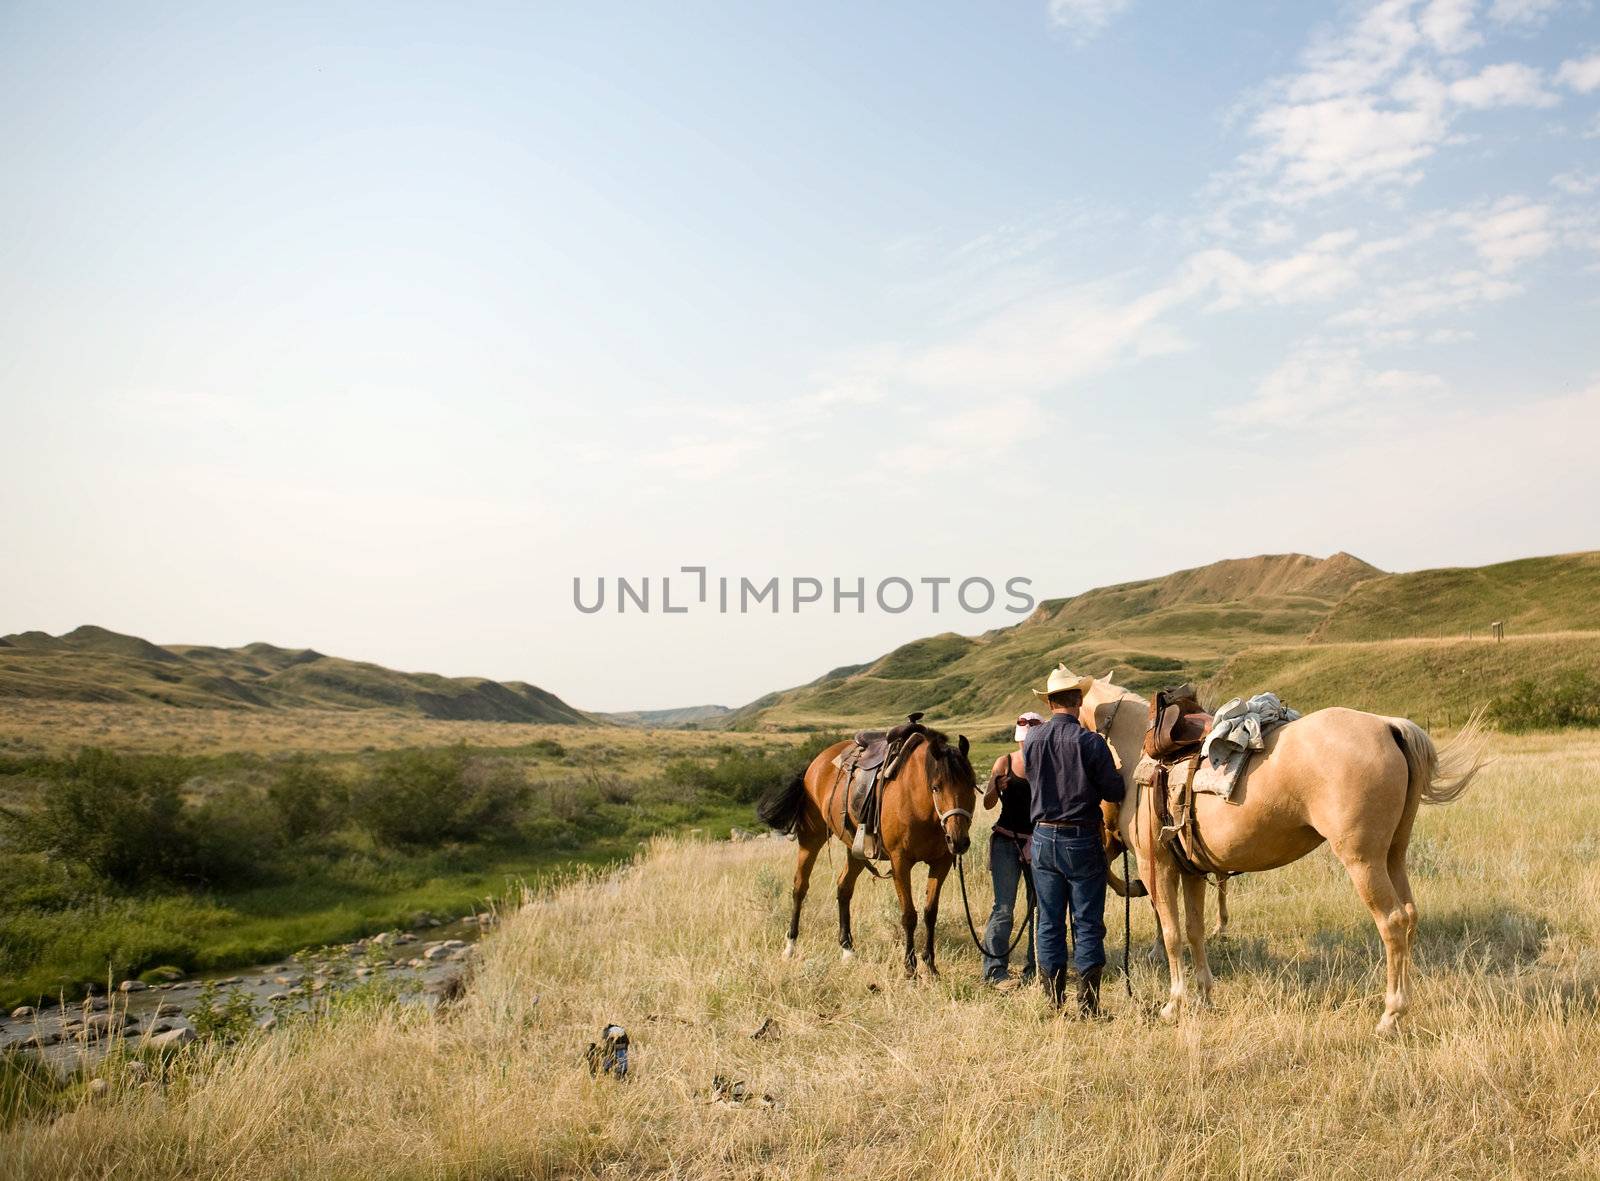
[{"x": 421, "y": 964}]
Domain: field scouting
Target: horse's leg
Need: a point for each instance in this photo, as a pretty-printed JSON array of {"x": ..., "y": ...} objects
[
  {"x": 1158, "y": 944},
  {"x": 1220, "y": 931},
  {"x": 807, "y": 858},
  {"x": 1194, "y": 918},
  {"x": 845, "y": 892},
  {"x": 1372, "y": 882},
  {"x": 1166, "y": 898},
  {"x": 1396, "y": 865},
  {"x": 930, "y": 909},
  {"x": 900, "y": 869}
]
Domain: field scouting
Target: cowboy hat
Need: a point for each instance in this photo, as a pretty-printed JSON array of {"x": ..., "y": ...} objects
[{"x": 1061, "y": 680}]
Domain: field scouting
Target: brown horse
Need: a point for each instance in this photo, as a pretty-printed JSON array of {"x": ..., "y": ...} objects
[
  {"x": 1352, "y": 779},
  {"x": 926, "y": 815}
]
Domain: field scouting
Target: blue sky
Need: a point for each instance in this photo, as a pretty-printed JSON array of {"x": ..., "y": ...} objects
[{"x": 372, "y": 328}]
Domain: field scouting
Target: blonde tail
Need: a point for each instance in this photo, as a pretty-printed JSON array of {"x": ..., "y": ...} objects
[{"x": 1440, "y": 776}]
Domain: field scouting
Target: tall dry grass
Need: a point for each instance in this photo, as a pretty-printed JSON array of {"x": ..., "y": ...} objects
[{"x": 1498, "y": 1076}]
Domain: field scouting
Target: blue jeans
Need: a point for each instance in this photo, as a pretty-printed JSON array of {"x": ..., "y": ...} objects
[
  {"x": 1069, "y": 873},
  {"x": 1006, "y": 868}
]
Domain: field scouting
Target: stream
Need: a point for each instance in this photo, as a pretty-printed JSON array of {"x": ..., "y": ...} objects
[{"x": 421, "y": 961}]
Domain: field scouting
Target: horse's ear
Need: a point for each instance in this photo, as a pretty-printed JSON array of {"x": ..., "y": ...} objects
[
  {"x": 1107, "y": 677},
  {"x": 961, "y": 741}
]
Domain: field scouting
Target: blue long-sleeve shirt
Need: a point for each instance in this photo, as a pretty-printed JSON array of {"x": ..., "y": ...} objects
[{"x": 1070, "y": 771}]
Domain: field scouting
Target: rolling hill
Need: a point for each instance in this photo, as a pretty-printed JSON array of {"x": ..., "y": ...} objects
[
  {"x": 1318, "y": 630},
  {"x": 94, "y": 664}
]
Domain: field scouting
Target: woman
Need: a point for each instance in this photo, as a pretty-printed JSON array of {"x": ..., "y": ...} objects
[{"x": 1008, "y": 855}]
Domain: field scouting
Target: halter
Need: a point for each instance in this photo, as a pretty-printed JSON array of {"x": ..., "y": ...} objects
[{"x": 945, "y": 814}]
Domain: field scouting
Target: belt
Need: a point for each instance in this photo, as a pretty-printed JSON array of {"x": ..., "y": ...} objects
[
  {"x": 1066, "y": 824},
  {"x": 1006, "y": 832}
]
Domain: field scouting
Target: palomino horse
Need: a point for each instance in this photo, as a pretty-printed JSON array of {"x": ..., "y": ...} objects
[
  {"x": 925, "y": 815},
  {"x": 1352, "y": 779}
]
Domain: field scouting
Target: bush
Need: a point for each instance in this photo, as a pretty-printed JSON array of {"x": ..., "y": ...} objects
[
  {"x": 231, "y": 839},
  {"x": 1571, "y": 699},
  {"x": 120, "y": 817},
  {"x": 309, "y": 801},
  {"x": 426, "y": 797},
  {"x": 739, "y": 774}
]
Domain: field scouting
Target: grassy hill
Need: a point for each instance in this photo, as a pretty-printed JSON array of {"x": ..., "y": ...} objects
[
  {"x": 1560, "y": 593},
  {"x": 1317, "y": 631},
  {"x": 708, "y": 716},
  {"x": 1153, "y": 632},
  {"x": 92, "y": 664},
  {"x": 1432, "y": 681}
]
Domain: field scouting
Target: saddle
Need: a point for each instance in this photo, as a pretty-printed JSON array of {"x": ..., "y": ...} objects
[
  {"x": 1178, "y": 726},
  {"x": 863, "y": 770},
  {"x": 1177, "y": 730}
]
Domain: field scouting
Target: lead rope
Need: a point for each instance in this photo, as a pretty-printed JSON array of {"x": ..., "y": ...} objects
[
  {"x": 1127, "y": 923},
  {"x": 1027, "y": 926},
  {"x": 1127, "y": 881}
]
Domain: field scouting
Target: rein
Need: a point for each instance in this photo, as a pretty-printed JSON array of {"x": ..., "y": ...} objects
[
  {"x": 1027, "y": 925},
  {"x": 1127, "y": 897}
]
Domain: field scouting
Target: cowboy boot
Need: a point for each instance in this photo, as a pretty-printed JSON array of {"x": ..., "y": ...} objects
[
  {"x": 1056, "y": 985},
  {"x": 1089, "y": 992}
]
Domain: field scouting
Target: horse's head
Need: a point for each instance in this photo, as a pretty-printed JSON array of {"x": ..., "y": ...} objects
[{"x": 954, "y": 787}]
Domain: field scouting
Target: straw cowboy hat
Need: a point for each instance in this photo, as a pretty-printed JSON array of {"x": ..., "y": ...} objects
[{"x": 1061, "y": 680}]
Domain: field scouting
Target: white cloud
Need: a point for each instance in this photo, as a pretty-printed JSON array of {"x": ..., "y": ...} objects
[
  {"x": 1511, "y": 232},
  {"x": 1415, "y": 299},
  {"x": 1321, "y": 147},
  {"x": 1510, "y": 84},
  {"x": 1317, "y": 383},
  {"x": 1357, "y": 59},
  {"x": 1447, "y": 24},
  {"x": 1368, "y": 105},
  {"x": 1086, "y": 19},
  {"x": 1581, "y": 73},
  {"x": 1577, "y": 184},
  {"x": 1522, "y": 12},
  {"x": 1324, "y": 267}
]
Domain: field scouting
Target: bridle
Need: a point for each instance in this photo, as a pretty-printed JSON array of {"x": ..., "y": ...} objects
[{"x": 945, "y": 813}]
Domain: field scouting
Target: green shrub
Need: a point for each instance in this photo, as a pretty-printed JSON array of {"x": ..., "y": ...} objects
[
  {"x": 428, "y": 797},
  {"x": 738, "y": 773},
  {"x": 232, "y": 838},
  {"x": 1571, "y": 698},
  {"x": 229, "y": 1020},
  {"x": 119, "y": 816},
  {"x": 308, "y": 799}
]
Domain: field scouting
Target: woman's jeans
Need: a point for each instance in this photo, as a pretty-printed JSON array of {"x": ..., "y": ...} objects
[
  {"x": 1007, "y": 869},
  {"x": 1069, "y": 875}
]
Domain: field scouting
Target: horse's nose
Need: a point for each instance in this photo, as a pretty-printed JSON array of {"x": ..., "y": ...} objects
[{"x": 962, "y": 844}]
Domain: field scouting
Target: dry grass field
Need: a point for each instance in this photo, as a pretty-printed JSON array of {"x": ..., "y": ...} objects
[
  {"x": 57, "y": 727},
  {"x": 1497, "y": 1076}
]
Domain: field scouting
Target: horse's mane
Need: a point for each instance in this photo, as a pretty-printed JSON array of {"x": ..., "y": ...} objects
[{"x": 946, "y": 759}]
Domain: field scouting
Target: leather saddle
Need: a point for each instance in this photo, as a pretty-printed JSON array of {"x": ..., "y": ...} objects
[
  {"x": 878, "y": 743},
  {"x": 1178, "y": 726},
  {"x": 1177, "y": 730},
  {"x": 863, "y": 770}
]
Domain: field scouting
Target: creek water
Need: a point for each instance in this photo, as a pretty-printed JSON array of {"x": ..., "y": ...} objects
[{"x": 419, "y": 961}]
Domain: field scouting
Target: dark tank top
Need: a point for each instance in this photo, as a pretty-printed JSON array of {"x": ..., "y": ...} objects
[{"x": 1016, "y": 801}]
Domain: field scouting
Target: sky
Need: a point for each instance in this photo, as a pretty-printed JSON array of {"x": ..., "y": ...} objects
[{"x": 372, "y": 328}]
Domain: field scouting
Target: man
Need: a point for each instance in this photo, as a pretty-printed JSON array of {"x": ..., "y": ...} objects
[
  {"x": 1070, "y": 772},
  {"x": 1009, "y": 855}
]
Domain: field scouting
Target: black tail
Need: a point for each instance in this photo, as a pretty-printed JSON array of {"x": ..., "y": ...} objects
[{"x": 779, "y": 808}]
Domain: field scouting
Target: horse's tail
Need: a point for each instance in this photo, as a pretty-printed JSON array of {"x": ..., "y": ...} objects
[
  {"x": 780, "y": 807},
  {"x": 1440, "y": 776}
]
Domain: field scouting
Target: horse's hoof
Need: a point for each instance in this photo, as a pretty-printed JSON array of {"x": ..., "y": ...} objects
[
  {"x": 1218, "y": 933},
  {"x": 1170, "y": 1010},
  {"x": 847, "y": 954},
  {"x": 1388, "y": 1025},
  {"x": 788, "y": 949}
]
